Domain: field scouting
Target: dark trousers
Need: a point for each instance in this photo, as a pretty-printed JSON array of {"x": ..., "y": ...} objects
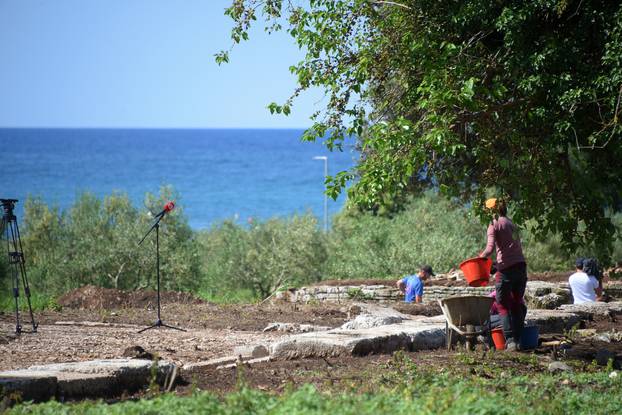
[{"x": 510, "y": 285}]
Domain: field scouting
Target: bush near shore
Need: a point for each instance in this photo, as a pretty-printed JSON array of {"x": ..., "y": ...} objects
[{"x": 95, "y": 242}]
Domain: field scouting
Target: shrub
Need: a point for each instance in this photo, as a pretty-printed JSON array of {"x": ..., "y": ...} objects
[
  {"x": 430, "y": 230},
  {"x": 264, "y": 257},
  {"x": 95, "y": 242}
]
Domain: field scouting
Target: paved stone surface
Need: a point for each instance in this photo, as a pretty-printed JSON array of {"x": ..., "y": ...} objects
[
  {"x": 552, "y": 321},
  {"x": 30, "y": 385},
  {"x": 415, "y": 333},
  {"x": 408, "y": 335},
  {"x": 252, "y": 351},
  {"x": 597, "y": 308},
  {"x": 294, "y": 327},
  {"x": 93, "y": 378}
]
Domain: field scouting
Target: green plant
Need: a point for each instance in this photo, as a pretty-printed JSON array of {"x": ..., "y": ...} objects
[
  {"x": 572, "y": 333},
  {"x": 469, "y": 97},
  {"x": 154, "y": 387},
  {"x": 94, "y": 242},
  {"x": 263, "y": 258},
  {"x": 357, "y": 294}
]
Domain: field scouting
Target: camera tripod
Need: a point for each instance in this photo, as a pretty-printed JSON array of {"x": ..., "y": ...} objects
[
  {"x": 16, "y": 260},
  {"x": 156, "y": 226}
]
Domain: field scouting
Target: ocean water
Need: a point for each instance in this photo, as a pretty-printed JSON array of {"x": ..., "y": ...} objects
[{"x": 219, "y": 173}]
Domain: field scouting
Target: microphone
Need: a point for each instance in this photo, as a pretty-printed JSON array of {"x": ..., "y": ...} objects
[{"x": 170, "y": 205}]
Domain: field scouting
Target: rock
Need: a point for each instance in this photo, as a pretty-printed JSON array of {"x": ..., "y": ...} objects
[
  {"x": 539, "y": 288},
  {"x": 212, "y": 363},
  {"x": 137, "y": 352},
  {"x": 94, "y": 378},
  {"x": 294, "y": 327},
  {"x": 366, "y": 321},
  {"x": 559, "y": 367},
  {"x": 597, "y": 308},
  {"x": 586, "y": 332},
  {"x": 610, "y": 336},
  {"x": 35, "y": 386},
  {"x": 246, "y": 362},
  {"x": 551, "y": 321},
  {"x": 421, "y": 334},
  {"x": 603, "y": 356},
  {"x": 353, "y": 311},
  {"x": 548, "y": 301},
  {"x": 603, "y": 337},
  {"x": 253, "y": 352}
]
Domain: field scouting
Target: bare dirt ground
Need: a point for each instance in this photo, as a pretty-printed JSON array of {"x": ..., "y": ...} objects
[
  {"x": 95, "y": 323},
  {"x": 98, "y": 323}
]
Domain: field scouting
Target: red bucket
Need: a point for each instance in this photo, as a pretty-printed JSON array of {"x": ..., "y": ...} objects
[
  {"x": 498, "y": 338},
  {"x": 476, "y": 271}
]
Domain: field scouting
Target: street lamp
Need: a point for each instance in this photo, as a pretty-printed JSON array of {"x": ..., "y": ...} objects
[{"x": 325, "y": 158}]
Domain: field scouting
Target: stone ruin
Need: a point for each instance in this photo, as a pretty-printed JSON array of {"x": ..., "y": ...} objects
[{"x": 539, "y": 294}]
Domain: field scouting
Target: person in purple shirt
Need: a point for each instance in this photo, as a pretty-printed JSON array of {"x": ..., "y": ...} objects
[
  {"x": 412, "y": 285},
  {"x": 511, "y": 276}
]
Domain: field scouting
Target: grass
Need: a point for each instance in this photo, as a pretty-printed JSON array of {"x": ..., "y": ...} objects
[
  {"x": 240, "y": 296},
  {"x": 402, "y": 389},
  {"x": 39, "y": 301}
]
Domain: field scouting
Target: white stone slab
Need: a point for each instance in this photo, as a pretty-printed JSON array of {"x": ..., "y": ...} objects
[{"x": 90, "y": 378}]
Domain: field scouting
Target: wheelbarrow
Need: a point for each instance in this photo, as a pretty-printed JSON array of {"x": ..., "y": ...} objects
[{"x": 468, "y": 316}]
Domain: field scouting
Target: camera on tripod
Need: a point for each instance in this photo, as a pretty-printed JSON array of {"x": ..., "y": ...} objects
[{"x": 17, "y": 268}]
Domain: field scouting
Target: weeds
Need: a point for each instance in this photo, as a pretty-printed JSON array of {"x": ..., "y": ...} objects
[{"x": 357, "y": 294}]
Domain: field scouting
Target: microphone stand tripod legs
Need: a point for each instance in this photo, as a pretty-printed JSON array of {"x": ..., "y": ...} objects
[{"x": 158, "y": 322}]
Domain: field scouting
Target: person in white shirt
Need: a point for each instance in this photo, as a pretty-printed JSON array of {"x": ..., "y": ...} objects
[{"x": 585, "y": 288}]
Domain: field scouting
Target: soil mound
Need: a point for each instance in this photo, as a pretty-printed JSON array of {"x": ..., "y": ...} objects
[{"x": 92, "y": 297}]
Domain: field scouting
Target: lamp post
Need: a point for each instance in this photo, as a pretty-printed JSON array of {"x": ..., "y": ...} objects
[{"x": 325, "y": 158}]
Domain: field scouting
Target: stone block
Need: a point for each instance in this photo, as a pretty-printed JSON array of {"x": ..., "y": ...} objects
[
  {"x": 251, "y": 352},
  {"x": 588, "y": 310},
  {"x": 30, "y": 385},
  {"x": 409, "y": 335}
]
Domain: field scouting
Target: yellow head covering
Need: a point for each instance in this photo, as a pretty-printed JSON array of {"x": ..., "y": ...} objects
[{"x": 491, "y": 203}]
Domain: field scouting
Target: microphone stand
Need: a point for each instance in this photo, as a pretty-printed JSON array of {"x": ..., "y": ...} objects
[{"x": 156, "y": 226}]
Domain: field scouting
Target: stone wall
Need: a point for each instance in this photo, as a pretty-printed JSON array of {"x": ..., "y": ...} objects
[
  {"x": 539, "y": 294},
  {"x": 378, "y": 293}
]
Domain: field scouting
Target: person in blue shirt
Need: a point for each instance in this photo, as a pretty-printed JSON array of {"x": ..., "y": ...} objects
[{"x": 412, "y": 285}]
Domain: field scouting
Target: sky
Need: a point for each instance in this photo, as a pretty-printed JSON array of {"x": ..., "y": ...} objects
[{"x": 140, "y": 64}]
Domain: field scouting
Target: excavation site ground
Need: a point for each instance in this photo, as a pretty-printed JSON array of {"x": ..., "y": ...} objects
[{"x": 284, "y": 343}]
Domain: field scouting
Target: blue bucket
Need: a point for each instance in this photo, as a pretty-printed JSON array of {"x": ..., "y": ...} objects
[{"x": 529, "y": 337}]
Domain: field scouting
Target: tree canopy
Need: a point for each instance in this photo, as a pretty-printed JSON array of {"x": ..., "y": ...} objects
[{"x": 517, "y": 99}]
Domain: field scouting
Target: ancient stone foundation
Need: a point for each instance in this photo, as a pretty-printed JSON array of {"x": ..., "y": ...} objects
[{"x": 539, "y": 294}]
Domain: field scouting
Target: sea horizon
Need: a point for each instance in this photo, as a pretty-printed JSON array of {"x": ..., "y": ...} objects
[{"x": 220, "y": 173}]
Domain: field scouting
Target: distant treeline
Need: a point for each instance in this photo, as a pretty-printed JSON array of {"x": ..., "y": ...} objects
[{"x": 95, "y": 242}]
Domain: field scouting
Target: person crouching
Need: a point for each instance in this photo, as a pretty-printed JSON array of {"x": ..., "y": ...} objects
[{"x": 412, "y": 285}]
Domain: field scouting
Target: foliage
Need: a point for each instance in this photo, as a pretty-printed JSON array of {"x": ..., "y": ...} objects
[
  {"x": 519, "y": 99},
  {"x": 39, "y": 302},
  {"x": 430, "y": 230},
  {"x": 405, "y": 390},
  {"x": 95, "y": 242},
  {"x": 265, "y": 257}
]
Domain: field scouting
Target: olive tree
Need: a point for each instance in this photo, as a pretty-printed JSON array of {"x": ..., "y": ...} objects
[{"x": 520, "y": 99}]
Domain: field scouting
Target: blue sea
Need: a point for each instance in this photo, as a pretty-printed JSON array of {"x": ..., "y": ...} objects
[{"x": 220, "y": 174}]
